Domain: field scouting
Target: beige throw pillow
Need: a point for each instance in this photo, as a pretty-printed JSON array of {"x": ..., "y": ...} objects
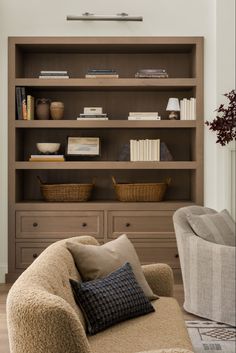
[{"x": 98, "y": 261}]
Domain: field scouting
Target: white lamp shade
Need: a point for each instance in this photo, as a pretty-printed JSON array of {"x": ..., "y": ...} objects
[{"x": 173, "y": 105}]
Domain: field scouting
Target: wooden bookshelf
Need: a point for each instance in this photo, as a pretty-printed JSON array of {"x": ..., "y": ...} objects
[{"x": 104, "y": 216}]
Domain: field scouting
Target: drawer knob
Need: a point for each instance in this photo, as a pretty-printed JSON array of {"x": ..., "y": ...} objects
[
  {"x": 177, "y": 256},
  {"x": 127, "y": 225},
  {"x": 35, "y": 256},
  {"x": 84, "y": 224},
  {"x": 35, "y": 224}
]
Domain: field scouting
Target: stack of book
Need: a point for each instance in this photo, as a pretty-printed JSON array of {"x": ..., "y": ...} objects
[
  {"x": 188, "y": 109},
  {"x": 151, "y": 73},
  {"x": 144, "y": 116},
  {"x": 101, "y": 73},
  {"x": 53, "y": 74},
  {"x": 93, "y": 113},
  {"x": 24, "y": 105},
  {"x": 47, "y": 158},
  {"x": 144, "y": 150}
]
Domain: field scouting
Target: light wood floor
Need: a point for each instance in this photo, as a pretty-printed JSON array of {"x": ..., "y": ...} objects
[{"x": 4, "y": 288}]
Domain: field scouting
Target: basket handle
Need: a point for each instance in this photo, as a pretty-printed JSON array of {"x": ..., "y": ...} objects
[
  {"x": 113, "y": 180},
  {"x": 40, "y": 180},
  {"x": 168, "y": 181}
]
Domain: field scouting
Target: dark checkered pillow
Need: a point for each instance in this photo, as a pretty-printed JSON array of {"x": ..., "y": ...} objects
[{"x": 110, "y": 300}]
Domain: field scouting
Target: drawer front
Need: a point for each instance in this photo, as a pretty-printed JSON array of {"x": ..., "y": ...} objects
[
  {"x": 158, "y": 253},
  {"x": 26, "y": 253},
  {"x": 58, "y": 225},
  {"x": 141, "y": 224}
]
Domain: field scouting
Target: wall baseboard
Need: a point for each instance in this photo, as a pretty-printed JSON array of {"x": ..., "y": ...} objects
[{"x": 3, "y": 271}]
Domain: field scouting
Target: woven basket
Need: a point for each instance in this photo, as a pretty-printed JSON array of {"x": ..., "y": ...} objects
[
  {"x": 66, "y": 192},
  {"x": 142, "y": 192}
]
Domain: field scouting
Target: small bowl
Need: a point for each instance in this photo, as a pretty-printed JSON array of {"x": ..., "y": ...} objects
[{"x": 48, "y": 147}]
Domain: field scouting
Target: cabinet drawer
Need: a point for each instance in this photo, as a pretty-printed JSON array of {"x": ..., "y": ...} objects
[
  {"x": 158, "y": 253},
  {"x": 26, "y": 253},
  {"x": 48, "y": 224},
  {"x": 141, "y": 224}
]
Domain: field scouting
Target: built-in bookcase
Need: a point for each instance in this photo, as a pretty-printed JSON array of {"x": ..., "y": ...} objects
[{"x": 30, "y": 218}]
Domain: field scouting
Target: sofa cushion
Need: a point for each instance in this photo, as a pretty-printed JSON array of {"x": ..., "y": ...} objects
[
  {"x": 217, "y": 227},
  {"x": 163, "y": 329},
  {"x": 95, "y": 262},
  {"x": 110, "y": 300}
]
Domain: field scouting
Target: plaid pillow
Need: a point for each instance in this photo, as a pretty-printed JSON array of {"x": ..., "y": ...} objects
[{"x": 110, "y": 300}]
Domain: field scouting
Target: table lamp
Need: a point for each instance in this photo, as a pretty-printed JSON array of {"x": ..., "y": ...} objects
[{"x": 173, "y": 108}]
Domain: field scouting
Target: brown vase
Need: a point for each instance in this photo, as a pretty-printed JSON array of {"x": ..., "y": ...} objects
[
  {"x": 57, "y": 110},
  {"x": 43, "y": 108}
]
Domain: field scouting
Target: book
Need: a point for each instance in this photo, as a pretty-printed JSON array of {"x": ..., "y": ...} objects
[
  {"x": 144, "y": 150},
  {"x": 188, "y": 109},
  {"x": 52, "y": 77},
  {"x": 101, "y": 76},
  {"x": 46, "y": 158},
  {"x": 143, "y": 114},
  {"x": 19, "y": 103},
  {"x": 91, "y": 118},
  {"x": 102, "y": 71},
  {"x": 143, "y": 118},
  {"x": 23, "y": 102},
  {"x": 30, "y": 107},
  {"x": 53, "y": 72},
  {"x": 103, "y": 115}
]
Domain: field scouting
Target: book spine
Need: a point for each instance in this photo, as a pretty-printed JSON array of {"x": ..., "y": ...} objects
[
  {"x": 24, "y": 106},
  {"x": 19, "y": 103},
  {"x": 181, "y": 109},
  {"x": 158, "y": 150}
]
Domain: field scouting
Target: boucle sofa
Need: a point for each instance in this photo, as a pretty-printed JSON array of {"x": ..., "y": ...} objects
[{"x": 44, "y": 318}]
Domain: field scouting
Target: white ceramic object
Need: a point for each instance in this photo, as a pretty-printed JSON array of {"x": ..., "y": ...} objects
[{"x": 48, "y": 147}]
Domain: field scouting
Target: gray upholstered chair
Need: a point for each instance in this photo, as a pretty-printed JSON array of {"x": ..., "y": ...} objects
[{"x": 208, "y": 271}]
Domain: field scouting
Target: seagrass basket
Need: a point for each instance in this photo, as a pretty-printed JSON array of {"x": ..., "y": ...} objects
[
  {"x": 140, "y": 192},
  {"x": 66, "y": 192}
]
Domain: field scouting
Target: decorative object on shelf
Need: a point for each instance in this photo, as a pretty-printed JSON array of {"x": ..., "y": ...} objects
[
  {"x": 87, "y": 16},
  {"x": 83, "y": 146},
  {"x": 57, "y": 110},
  {"x": 124, "y": 154},
  {"x": 43, "y": 108},
  {"x": 140, "y": 192},
  {"x": 66, "y": 192},
  {"x": 225, "y": 122},
  {"x": 173, "y": 107},
  {"x": 93, "y": 113},
  {"x": 48, "y": 148},
  {"x": 151, "y": 73},
  {"x": 144, "y": 116},
  {"x": 188, "y": 109},
  {"x": 53, "y": 74},
  {"x": 101, "y": 73},
  {"x": 165, "y": 154},
  {"x": 145, "y": 150}
]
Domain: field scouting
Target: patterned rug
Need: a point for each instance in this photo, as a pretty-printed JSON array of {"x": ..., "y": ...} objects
[{"x": 211, "y": 337}]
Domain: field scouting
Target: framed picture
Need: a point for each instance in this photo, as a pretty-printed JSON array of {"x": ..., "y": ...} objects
[{"x": 83, "y": 146}]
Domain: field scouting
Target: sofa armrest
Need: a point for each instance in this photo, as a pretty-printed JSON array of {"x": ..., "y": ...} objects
[
  {"x": 160, "y": 278},
  {"x": 169, "y": 350},
  {"x": 39, "y": 322}
]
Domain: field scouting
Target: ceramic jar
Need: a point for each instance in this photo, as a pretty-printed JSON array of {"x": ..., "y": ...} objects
[
  {"x": 57, "y": 110},
  {"x": 43, "y": 108}
]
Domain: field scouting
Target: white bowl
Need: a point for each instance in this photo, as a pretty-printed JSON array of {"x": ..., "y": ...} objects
[{"x": 48, "y": 147}]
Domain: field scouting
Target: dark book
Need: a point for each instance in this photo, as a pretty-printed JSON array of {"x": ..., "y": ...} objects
[
  {"x": 165, "y": 153},
  {"x": 23, "y": 103},
  {"x": 19, "y": 103}
]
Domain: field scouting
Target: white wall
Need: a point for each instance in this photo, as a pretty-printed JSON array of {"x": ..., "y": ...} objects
[{"x": 161, "y": 18}]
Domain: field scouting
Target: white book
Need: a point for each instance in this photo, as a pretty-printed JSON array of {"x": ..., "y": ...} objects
[
  {"x": 141, "y": 150},
  {"x": 55, "y": 72},
  {"x": 131, "y": 150},
  {"x": 143, "y": 118},
  {"x": 46, "y": 156},
  {"x": 158, "y": 150},
  {"x": 193, "y": 108},
  {"x": 182, "y": 109},
  {"x": 52, "y": 77},
  {"x": 93, "y": 115},
  {"x": 81, "y": 118},
  {"x": 146, "y": 114},
  {"x": 185, "y": 108},
  {"x": 137, "y": 150},
  {"x": 146, "y": 150},
  {"x": 188, "y": 109}
]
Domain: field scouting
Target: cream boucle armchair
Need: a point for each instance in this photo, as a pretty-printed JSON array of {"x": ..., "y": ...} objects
[{"x": 44, "y": 318}]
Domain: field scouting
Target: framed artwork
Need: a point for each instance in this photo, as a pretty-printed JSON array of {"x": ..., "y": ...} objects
[{"x": 83, "y": 146}]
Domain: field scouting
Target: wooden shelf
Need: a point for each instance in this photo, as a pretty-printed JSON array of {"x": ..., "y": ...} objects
[
  {"x": 106, "y": 165},
  {"x": 55, "y": 124},
  {"x": 108, "y": 83}
]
